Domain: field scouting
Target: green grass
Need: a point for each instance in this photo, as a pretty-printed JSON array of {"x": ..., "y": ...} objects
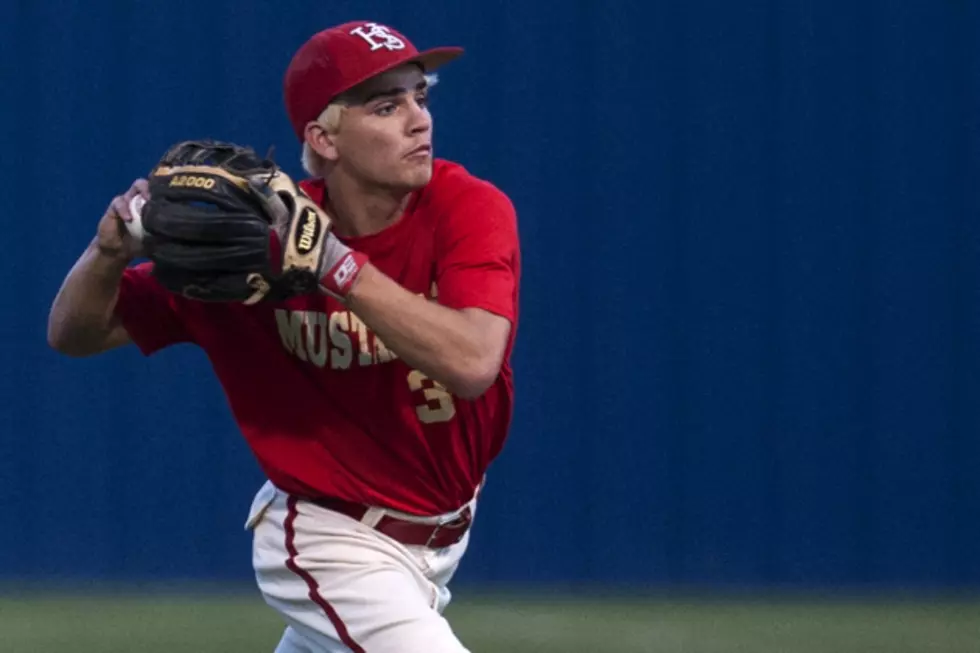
[{"x": 216, "y": 624}]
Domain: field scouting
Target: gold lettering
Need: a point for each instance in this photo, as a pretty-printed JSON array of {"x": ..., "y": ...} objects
[
  {"x": 365, "y": 356},
  {"x": 192, "y": 181},
  {"x": 314, "y": 337},
  {"x": 341, "y": 354},
  {"x": 438, "y": 406},
  {"x": 290, "y": 325},
  {"x": 316, "y": 331}
]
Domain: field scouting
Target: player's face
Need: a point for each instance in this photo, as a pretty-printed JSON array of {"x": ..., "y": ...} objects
[{"x": 385, "y": 137}]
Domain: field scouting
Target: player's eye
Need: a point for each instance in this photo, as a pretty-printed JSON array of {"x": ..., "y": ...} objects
[
  {"x": 422, "y": 99},
  {"x": 385, "y": 109}
]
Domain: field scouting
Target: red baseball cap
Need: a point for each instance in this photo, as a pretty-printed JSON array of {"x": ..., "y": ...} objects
[{"x": 339, "y": 58}]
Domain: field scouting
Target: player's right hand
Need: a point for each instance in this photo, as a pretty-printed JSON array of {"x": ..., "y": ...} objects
[{"x": 113, "y": 239}]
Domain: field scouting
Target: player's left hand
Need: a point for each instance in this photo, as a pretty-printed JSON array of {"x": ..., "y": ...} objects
[{"x": 226, "y": 225}]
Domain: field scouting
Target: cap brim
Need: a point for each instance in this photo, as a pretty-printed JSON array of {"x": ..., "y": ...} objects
[
  {"x": 428, "y": 60},
  {"x": 432, "y": 59}
]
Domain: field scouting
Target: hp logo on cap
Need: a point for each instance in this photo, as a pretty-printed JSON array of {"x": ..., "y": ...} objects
[{"x": 378, "y": 36}]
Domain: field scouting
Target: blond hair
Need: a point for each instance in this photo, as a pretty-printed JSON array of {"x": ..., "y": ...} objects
[{"x": 329, "y": 119}]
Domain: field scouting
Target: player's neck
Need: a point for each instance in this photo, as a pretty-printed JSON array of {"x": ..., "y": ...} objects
[{"x": 362, "y": 211}]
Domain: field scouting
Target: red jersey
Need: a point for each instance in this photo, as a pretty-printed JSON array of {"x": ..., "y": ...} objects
[{"x": 325, "y": 406}]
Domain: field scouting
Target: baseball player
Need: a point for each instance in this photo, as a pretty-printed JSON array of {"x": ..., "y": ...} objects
[{"x": 374, "y": 399}]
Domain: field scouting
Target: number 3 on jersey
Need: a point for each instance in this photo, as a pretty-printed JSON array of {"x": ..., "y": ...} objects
[{"x": 438, "y": 406}]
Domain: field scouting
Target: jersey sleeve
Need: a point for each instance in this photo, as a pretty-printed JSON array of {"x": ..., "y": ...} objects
[
  {"x": 148, "y": 311},
  {"x": 478, "y": 254}
]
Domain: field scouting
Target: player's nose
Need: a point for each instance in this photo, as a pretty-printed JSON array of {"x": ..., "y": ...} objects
[{"x": 420, "y": 120}]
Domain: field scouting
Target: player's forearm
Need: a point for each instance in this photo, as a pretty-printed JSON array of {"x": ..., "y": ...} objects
[
  {"x": 441, "y": 342},
  {"x": 82, "y": 319}
]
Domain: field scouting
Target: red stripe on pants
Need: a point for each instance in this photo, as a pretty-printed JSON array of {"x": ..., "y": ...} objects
[{"x": 311, "y": 582}]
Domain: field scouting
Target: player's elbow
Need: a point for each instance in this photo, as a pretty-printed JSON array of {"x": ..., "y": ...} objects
[
  {"x": 62, "y": 333},
  {"x": 475, "y": 379},
  {"x": 63, "y": 346},
  {"x": 470, "y": 390},
  {"x": 58, "y": 338},
  {"x": 476, "y": 366},
  {"x": 62, "y": 343},
  {"x": 70, "y": 341}
]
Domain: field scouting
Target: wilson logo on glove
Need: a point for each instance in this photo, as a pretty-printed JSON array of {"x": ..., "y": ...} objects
[
  {"x": 192, "y": 181},
  {"x": 308, "y": 235}
]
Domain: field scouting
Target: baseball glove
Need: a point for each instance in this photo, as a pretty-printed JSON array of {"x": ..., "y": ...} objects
[{"x": 226, "y": 225}]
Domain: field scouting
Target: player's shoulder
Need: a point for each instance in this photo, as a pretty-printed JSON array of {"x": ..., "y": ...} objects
[
  {"x": 450, "y": 179},
  {"x": 452, "y": 185}
]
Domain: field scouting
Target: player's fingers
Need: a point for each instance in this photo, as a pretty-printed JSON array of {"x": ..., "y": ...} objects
[
  {"x": 141, "y": 187},
  {"x": 137, "y": 189},
  {"x": 120, "y": 206},
  {"x": 132, "y": 199}
]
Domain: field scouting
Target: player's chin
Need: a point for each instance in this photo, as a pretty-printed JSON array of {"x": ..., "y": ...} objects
[{"x": 417, "y": 173}]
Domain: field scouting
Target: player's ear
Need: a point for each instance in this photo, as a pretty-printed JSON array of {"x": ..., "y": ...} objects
[{"x": 321, "y": 141}]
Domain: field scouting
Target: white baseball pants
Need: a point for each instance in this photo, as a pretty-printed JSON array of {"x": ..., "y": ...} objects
[{"x": 343, "y": 586}]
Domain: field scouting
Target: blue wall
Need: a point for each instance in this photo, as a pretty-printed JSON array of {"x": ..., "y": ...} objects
[{"x": 749, "y": 352}]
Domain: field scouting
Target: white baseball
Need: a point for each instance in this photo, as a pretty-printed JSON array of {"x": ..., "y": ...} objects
[{"x": 135, "y": 226}]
